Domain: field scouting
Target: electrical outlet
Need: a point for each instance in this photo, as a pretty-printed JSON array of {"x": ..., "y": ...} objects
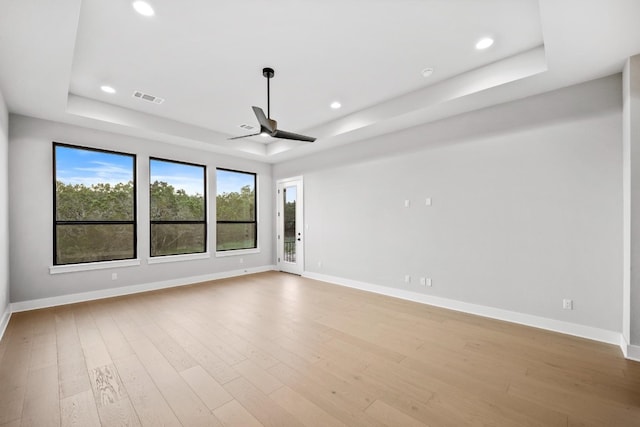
[
  {"x": 114, "y": 276},
  {"x": 567, "y": 304},
  {"x": 241, "y": 260},
  {"x": 428, "y": 201},
  {"x": 319, "y": 264},
  {"x": 425, "y": 281},
  {"x": 407, "y": 279},
  {"x": 407, "y": 203}
]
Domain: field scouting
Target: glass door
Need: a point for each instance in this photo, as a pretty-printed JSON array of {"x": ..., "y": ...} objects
[{"x": 290, "y": 226}]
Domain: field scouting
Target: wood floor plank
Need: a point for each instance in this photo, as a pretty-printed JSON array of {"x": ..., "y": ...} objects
[
  {"x": 188, "y": 407},
  {"x": 581, "y": 406},
  {"x": 150, "y": 406},
  {"x": 233, "y": 414},
  {"x": 213, "y": 342},
  {"x": 44, "y": 351},
  {"x": 272, "y": 348},
  {"x": 79, "y": 410},
  {"x": 73, "y": 377},
  {"x": 11, "y": 407},
  {"x": 106, "y": 385},
  {"x": 42, "y": 401},
  {"x": 324, "y": 397},
  {"x": 115, "y": 341},
  {"x": 257, "y": 376},
  {"x": 245, "y": 348},
  {"x": 14, "y": 369},
  {"x": 210, "y": 392},
  {"x": 259, "y": 405},
  {"x": 216, "y": 367},
  {"x": 305, "y": 411},
  {"x": 93, "y": 346},
  {"x": 169, "y": 348},
  {"x": 67, "y": 338},
  {"x": 391, "y": 416},
  {"x": 275, "y": 349},
  {"x": 119, "y": 413}
]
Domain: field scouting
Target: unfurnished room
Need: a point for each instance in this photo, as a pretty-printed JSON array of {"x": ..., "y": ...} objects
[{"x": 320, "y": 213}]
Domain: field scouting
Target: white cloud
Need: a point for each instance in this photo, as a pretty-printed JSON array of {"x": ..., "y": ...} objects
[{"x": 99, "y": 173}]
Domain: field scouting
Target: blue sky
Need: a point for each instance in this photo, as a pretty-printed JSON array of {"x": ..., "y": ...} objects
[
  {"x": 77, "y": 166},
  {"x": 291, "y": 194},
  {"x": 229, "y": 182},
  {"x": 180, "y": 176},
  {"x": 88, "y": 167}
]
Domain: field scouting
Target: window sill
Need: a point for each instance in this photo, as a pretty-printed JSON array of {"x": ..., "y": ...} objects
[
  {"x": 178, "y": 258},
  {"x": 234, "y": 252},
  {"x": 71, "y": 268}
]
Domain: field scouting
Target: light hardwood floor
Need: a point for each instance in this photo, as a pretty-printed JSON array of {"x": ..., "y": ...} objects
[{"x": 273, "y": 349}]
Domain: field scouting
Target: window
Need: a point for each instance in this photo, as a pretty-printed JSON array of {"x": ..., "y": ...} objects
[
  {"x": 94, "y": 205},
  {"x": 236, "y": 210},
  {"x": 178, "y": 208}
]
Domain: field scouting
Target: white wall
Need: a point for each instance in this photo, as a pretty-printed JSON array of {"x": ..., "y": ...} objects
[
  {"x": 527, "y": 207},
  {"x": 31, "y": 216},
  {"x": 4, "y": 215}
]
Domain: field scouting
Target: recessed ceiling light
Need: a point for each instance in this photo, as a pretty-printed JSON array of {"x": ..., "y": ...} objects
[
  {"x": 107, "y": 89},
  {"x": 484, "y": 43},
  {"x": 427, "y": 72},
  {"x": 335, "y": 105},
  {"x": 143, "y": 8}
]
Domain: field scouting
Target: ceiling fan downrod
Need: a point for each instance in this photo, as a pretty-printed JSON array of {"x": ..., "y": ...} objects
[{"x": 268, "y": 73}]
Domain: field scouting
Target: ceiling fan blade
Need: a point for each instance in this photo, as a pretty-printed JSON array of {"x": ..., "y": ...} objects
[
  {"x": 283, "y": 134},
  {"x": 243, "y": 136},
  {"x": 270, "y": 125}
]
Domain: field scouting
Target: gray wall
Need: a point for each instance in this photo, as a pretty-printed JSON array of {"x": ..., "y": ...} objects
[
  {"x": 4, "y": 207},
  {"x": 30, "y": 192},
  {"x": 631, "y": 135},
  {"x": 527, "y": 206}
]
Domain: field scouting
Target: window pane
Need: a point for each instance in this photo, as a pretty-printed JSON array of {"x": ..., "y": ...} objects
[
  {"x": 290, "y": 197},
  {"x": 96, "y": 190},
  {"x": 93, "y": 185},
  {"x": 236, "y": 198},
  {"x": 177, "y": 195},
  {"x": 89, "y": 243},
  {"x": 235, "y": 202},
  {"x": 235, "y": 236},
  {"x": 177, "y": 191},
  {"x": 176, "y": 239}
]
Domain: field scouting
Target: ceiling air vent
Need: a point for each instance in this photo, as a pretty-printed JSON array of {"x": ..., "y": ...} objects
[
  {"x": 147, "y": 97},
  {"x": 247, "y": 127}
]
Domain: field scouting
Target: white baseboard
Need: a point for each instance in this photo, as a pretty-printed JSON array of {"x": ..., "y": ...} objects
[
  {"x": 133, "y": 289},
  {"x": 631, "y": 352},
  {"x": 583, "y": 331},
  {"x": 4, "y": 320}
]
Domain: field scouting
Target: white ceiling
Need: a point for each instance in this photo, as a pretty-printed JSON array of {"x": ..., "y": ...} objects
[{"x": 205, "y": 59}]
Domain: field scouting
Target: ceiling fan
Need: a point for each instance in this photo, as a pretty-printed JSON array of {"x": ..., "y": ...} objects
[{"x": 268, "y": 126}]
